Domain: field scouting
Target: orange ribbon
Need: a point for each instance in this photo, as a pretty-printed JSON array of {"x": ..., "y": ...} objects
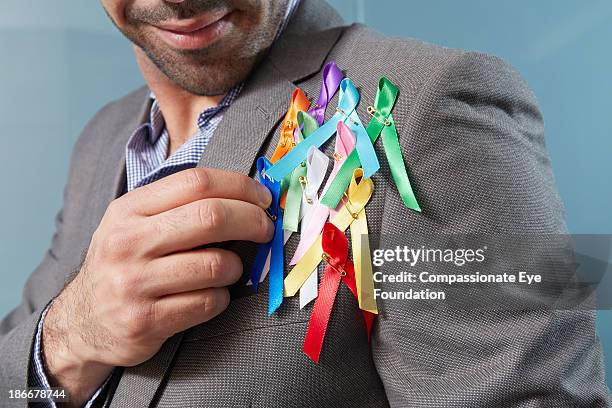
[{"x": 299, "y": 102}]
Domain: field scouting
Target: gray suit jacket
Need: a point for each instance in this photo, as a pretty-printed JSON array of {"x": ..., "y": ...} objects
[{"x": 473, "y": 141}]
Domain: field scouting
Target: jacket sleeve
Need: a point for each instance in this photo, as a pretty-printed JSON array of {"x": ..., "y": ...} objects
[
  {"x": 38, "y": 375},
  {"x": 473, "y": 141},
  {"x": 18, "y": 328}
]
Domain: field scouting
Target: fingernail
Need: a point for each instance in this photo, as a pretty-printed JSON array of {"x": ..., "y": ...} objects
[{"x": 265, "y": 198}]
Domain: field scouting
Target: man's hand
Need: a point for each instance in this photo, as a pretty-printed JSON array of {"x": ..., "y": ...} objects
[{"x": 145, "y": 278}]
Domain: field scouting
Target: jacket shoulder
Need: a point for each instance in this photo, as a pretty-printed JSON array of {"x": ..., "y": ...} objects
[
  {"x": 111, "y": 119},
  {"x": 365, "y": 37},
  {"x": 365, "y": 52},
  {"x": 410, "y": 63},
  {"x": 103, "y": 137}
]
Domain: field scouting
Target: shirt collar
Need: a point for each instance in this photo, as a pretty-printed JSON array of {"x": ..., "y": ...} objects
[{"x": 158, "y": 125}]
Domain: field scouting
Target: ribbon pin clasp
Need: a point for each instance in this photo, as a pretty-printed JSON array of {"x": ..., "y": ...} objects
[
  {"x": 348, "y": 206},
  {"x": 270, "y": 215},
  {"x": 347, "y": 115},
  {"x": 372, "y": 111},
  {"x": 328, "y": 260}
]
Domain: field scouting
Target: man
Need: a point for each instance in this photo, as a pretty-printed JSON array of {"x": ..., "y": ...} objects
[{"x": 148, "y": 319}]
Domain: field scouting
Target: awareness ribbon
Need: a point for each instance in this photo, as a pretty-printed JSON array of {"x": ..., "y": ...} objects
[
  {"x": 294, "y": 193},
  {"x": 382, "y": 123},
  {"x": 316, "y": 168},
  {"x": 349, "y": 98},
  {"x": 275, "y": 247},
  {"x": 293, "y": 203},
  {"x": 299, "y": 102},
  {"x": 364, "y": 276},
  {"x": 359, "y": 193},
  {"x": 314, "y": 171},
  {"x": 286, "y": 141},
  {"x": 316, "y": 164},
  {"x": 332, "y": 76},
  {"x": 338, "y": 267}
]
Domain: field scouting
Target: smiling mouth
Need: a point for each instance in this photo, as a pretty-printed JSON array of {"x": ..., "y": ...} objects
[{"x": 194, "y": 33}]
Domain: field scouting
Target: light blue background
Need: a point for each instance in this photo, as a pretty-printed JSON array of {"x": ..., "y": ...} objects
[{"x": 60, "y": 62}]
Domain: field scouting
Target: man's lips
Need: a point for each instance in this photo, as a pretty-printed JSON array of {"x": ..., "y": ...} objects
[{"x": 193, "y": 33}]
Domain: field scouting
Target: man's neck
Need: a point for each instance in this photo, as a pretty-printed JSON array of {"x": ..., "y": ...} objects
[{"x": 181, "y": 108}]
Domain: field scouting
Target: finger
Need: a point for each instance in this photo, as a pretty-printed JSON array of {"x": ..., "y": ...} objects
[
  {"x": 192, "y": 185},
  {"x": 207, "y": 221},
  {"x": 189, "y": 271},
  {"x": 178, "y": 312}
]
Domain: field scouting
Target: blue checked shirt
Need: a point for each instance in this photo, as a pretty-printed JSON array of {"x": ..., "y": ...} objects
[
  {"x": 147, "y": 161},
  {"x": 147, "y": 150}
]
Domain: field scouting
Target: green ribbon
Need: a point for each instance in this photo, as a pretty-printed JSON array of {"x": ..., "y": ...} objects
[
  {"x": 382, "y": 124},
  {"x": 291, "y": 218},
  {"x": 285, "y": 184}
]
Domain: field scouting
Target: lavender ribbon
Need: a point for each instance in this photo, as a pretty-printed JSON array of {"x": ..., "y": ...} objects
[{"x": 332, "y": 76}]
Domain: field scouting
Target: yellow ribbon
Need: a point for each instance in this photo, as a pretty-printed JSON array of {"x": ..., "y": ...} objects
[
  {"x": 359, "y": 193},
  {"x": 364, "y": 277}
]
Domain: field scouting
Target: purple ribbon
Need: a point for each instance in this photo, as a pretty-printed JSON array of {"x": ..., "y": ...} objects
[{"x": 332, "y": 76}]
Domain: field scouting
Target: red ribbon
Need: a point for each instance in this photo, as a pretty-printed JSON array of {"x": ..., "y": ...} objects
[{"x": 339, "y": 267}]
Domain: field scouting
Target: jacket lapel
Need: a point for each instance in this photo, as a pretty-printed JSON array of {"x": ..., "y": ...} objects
[
  {"x": 112, "y": 179},
  {"x": 248, "y": 121}
]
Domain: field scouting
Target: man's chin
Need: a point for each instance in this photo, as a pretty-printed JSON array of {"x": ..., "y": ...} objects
[
  {"x": 211, "y": 71},
  {"x": 205, "y": 80}
]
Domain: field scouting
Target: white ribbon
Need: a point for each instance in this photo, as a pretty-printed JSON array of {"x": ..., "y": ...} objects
[{"x": 316, "y": 167}]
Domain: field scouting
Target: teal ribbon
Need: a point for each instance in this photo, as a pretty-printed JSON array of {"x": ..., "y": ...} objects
[
  {"x": 291, "y": 218},
  {"x": 381, "y": 124},
  {"x": 348, "y": 100}
]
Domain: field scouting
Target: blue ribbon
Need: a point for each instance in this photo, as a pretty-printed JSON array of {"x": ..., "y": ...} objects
[
  {"x": 348, "y": 100},
  {"x": 363, "y": 145},
  {"x": 277, "y": 261}
]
